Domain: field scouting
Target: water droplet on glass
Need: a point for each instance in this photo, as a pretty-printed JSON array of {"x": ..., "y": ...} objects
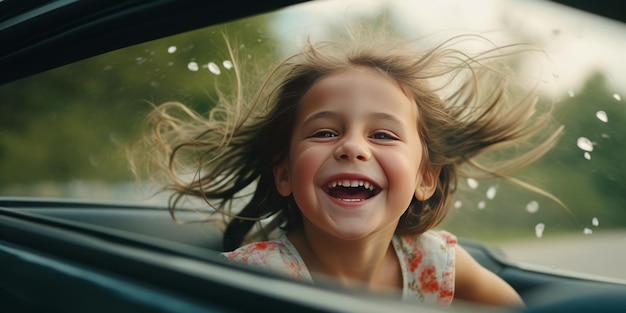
[
  {"x": 601, "y": 115},
  {"x": 595, "y": 221},
  {"x": 604, "y": 135},
  {"x": 481, "y": 205},
  {"x": 227, "y": 64},
  {"x": 587, "y": 231},
  {"x": 617, "y": 97},
  {"x": 458, "y": 204},
  {"x": 491, "y": 193},
  {"x": 571, "y": 93},
  {"x": 171, "y": 49},
  {"x": 584, "y": 144},
  {"x": 539, "y": 229},
  {"x": 532, "y": 207},
  {"x": 587, "y": 155},
  {"x": 472, "y": 183},
  {"x": 193, "y": 66},
  {"x": 214, "y": 68}
]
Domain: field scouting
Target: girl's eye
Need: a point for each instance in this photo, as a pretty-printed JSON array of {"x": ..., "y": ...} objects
[
  {"x": 383, "y": 136},
  {"x": 324, "y": 134}
]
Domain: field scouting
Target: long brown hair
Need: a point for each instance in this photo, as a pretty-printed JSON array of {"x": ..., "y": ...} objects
[{"x": 468, "y": 104}]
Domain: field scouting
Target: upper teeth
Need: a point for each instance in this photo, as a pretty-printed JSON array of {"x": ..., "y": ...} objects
[{"x": 351, "y": 183}]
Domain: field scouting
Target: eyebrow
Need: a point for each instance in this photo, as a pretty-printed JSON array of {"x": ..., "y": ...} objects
[
  {"x": 385, "y": 116},
  {"x": 319, "y": 115},
  {"x": 333, "y": 115}
]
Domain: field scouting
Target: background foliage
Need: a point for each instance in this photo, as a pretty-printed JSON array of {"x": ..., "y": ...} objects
[{"x": 70, "y": 126}]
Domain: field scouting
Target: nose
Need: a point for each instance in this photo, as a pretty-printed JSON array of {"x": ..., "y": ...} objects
[{"x": 353, "y": 147}]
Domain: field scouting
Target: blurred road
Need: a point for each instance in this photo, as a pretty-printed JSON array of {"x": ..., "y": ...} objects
[{"x": 601, "y": 253}]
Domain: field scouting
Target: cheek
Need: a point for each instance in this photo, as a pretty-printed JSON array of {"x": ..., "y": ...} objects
[
  {"x": 400, "y": 170},
  {"x": 403, "y": 171},
  {"x": 305, "y": 163}
]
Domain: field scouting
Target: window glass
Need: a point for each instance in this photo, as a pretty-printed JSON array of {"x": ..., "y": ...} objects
[{"x": 64, "y": 133}]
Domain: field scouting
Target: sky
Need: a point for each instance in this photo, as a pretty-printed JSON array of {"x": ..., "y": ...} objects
[{"x": 577, "y": 43}]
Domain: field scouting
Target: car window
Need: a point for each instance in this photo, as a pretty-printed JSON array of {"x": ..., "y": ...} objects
[{"x": 65, "y": 132}]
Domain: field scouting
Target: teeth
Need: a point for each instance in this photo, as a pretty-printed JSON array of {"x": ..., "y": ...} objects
[{"x": 351, "y": 183}]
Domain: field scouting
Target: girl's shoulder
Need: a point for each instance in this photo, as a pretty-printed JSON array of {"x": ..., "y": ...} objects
[
  {"x": 427, "y": 262},
  {"x": 428, "y": 238},
  {"x": 278, "y": 256},
  {"x": 256, "y": 253}
]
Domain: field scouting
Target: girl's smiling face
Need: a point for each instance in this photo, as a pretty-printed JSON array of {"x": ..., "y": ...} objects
[{"x": 355, "y": 154}]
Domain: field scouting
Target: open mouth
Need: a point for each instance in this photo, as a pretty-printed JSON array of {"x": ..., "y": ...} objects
[{"x": 352, "y": 190}]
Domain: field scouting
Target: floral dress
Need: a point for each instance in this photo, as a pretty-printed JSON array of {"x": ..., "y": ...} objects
[{"x": 426, "y": 260}]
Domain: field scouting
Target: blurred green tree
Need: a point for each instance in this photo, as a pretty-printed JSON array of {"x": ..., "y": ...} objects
[
  {"x": 590, "y": 186},
  {"x": 72, "y": 123}
]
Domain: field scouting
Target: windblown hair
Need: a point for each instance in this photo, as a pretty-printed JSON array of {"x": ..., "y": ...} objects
[{"x": 468, "y": 104}]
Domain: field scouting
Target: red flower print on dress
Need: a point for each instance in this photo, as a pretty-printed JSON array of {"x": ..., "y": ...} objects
[
  {"x": 446, "y": 294},
  {"x": 427, "y": 263},
  {"x": 415, "y": 260},
  {"x": 261, "y": 245},
  {"x": 409, "y": 240},
  {"x": 233, "y": 255},
  {"x": 255, "y": 253},
  {"x": 428, "y": 279},
  {"x": 450, "y": 238}
]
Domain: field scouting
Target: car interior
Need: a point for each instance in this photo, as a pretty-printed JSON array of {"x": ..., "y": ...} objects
[{"x": 147, "y": 227}]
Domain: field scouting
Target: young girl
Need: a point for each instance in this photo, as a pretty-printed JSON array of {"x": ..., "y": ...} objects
[{"x": 353, "y": 150}]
